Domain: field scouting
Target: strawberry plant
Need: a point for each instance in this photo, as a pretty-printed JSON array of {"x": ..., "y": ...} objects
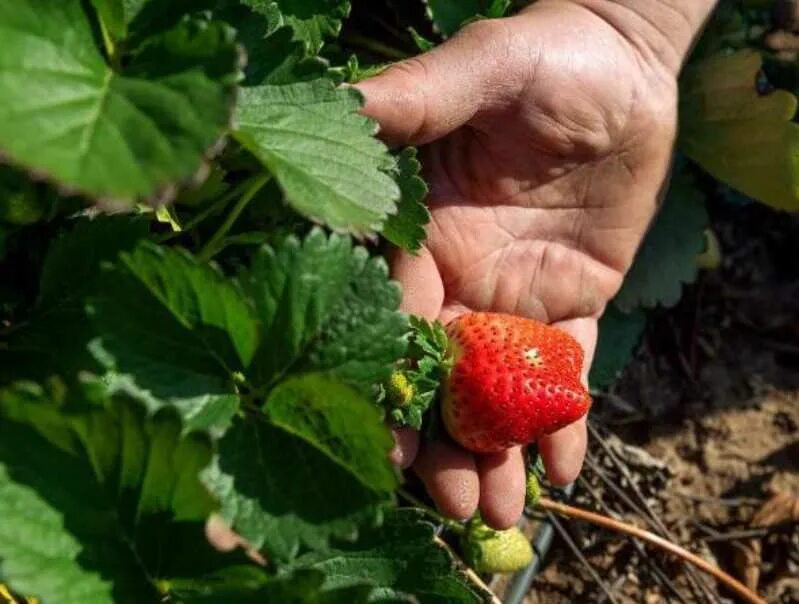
[{"x": 198, "y": 333}]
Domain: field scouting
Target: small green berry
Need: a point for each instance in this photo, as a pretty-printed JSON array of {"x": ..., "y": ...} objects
[
  {"x": 533, "y": 490},
  {"x": 399, "y": 390},
  {"x": 490, "y": 551}
]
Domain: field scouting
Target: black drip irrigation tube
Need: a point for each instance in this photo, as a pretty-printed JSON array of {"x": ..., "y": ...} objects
[{"x": 520, "y": 583}]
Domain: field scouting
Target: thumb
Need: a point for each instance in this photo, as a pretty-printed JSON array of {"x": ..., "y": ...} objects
[
  {"x": 426, "y": 97},
  {"x": 422, "y": 286}
]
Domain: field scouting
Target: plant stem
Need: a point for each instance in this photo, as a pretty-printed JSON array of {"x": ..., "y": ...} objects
[
  {"x": 253, "y": 185},
  {"x": 472, "y": 576},
  {"x": 220, "y": 203},
  {"x": 452, "y": 525},
  {"x": 628, "y": 529},
  {"x": 376, "y": 47},
  {"x": 108, "y": 42}
]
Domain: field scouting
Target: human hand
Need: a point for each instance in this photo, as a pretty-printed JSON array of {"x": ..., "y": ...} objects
[{"x": 549, "y": 136}]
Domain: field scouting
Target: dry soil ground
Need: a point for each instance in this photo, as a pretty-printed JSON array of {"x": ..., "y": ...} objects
[{"x": 705, "y": 426}]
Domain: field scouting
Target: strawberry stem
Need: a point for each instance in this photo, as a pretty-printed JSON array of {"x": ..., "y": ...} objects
[{"x": 255, "y": 184}]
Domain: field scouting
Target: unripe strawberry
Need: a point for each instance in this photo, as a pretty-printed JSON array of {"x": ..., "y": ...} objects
[
  {"x": 490, "y": 551},
  {"x": 512, "y": 380},
  {"x": 532, "y": 491},
  {"x": 399, "y": 389}
]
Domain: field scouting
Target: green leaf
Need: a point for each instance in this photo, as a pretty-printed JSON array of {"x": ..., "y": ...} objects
[
  {"x": 399, "y": 557},
  {"x": 450, "y": 15},
  {"x": 111, "y": 14},
  {"x": 302, "y": 586},
  {"x": 619, "y": 334},
  {"x": 365, "y": 334},
  {"x": 313, "y": 21},
  {"x": 746, "y": 140},
  {"x": 4, "y": 233},
  {"x": 104, "y": 512},
  {"x": 173, "y": 332},
  {"x": 20, "y": 203},
  {"x": 405, "y": 229},
  {"x": 146, "y": 18},
  {"x": 321, "y": 151},
  {"x": 74, "y": 258},
  {"x": 339, "y": 422},
  {"x": 325, "y": 306},
  {"x": 268, "y": 10},
  {"x": 52, "y": 338},
  {"x": 422, "y": 43},
  {"x": 296, "y": 476},
  {"x": 279, "y": 59},
  {"x": 66, "y": 114},
  {"x": 667, "y": 258},
  {"x": 274, "y": 54}
]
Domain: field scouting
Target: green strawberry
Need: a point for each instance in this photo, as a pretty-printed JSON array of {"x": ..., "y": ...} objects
[
  {"x": 533, "y": 490},
  {"x": 490, "y": 551}
]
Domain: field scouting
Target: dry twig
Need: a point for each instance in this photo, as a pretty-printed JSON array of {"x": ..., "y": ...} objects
[{"x": 628, "y": 529}]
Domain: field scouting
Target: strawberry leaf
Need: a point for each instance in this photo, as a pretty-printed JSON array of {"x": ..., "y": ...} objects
[
  {"x": 398, "y": 557},
  {"x": 619, "y": 334},
  {"x": 274, "y": 55},
  {"x": 339, "y": 422},
  {"x": 450, "y": 15},
  {"x": 667, "y": 257},
  {"x": 313, "y": 21},
  {"x": 300, "y": 586},
  {"x": 279, "y": 59},
  {"x": 52, "y": 337},
  {"x": 118, "y": 136},
  {"x": 324, "y": 306},
  {"x": 741, "y": 137},
  {"x": 113, "y": 17},
  {"x": 405, "y": 229},
  {"x": 20, "y": 203},
  {"x": 173, "y": 332},
  {"x": 90, "y": 497},
  {"x": 312, "y": 467},
  {"x": 311, "y": 137}
]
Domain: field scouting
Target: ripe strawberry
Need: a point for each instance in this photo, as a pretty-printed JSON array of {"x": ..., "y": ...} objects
[{"x": 512, "y": 380}]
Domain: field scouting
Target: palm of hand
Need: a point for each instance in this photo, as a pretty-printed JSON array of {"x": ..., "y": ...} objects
[
  {"x": 549, "y": 139},
  {"x": 537, "y": 209}
]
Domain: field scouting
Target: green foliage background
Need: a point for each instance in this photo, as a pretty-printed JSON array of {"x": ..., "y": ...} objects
[{"x": 195, "y": 314}]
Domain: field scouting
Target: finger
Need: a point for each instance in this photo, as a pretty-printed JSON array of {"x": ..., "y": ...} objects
[
  {"x": 406, "y": 446},
  {"x": 563, "y": 451},
  {"x": 225, "y": 539},
  {"x": 423, "y": 98},
  {"x": 450, "y": 476},
  {"x": 422, "y": 287},
  {"x": 502, "y": 487}
]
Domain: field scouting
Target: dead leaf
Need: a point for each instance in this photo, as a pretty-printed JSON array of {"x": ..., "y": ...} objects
[{"x": 782, "y": 508}]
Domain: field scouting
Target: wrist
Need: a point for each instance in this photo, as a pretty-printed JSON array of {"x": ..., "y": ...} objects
[{"x": 662, "y": 31}]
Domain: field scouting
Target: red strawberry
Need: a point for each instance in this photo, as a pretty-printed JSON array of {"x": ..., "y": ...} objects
[{"x": 512, "y": 380}]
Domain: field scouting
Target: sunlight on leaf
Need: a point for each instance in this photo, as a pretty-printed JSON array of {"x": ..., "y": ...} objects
[{"x": 744, "y": 139}]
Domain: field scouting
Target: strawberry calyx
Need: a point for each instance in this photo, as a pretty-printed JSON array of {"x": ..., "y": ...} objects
[{"x": 413, "y": 387}]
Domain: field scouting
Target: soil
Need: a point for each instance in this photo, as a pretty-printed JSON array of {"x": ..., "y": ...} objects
[{"x": 704, "y": 426}]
